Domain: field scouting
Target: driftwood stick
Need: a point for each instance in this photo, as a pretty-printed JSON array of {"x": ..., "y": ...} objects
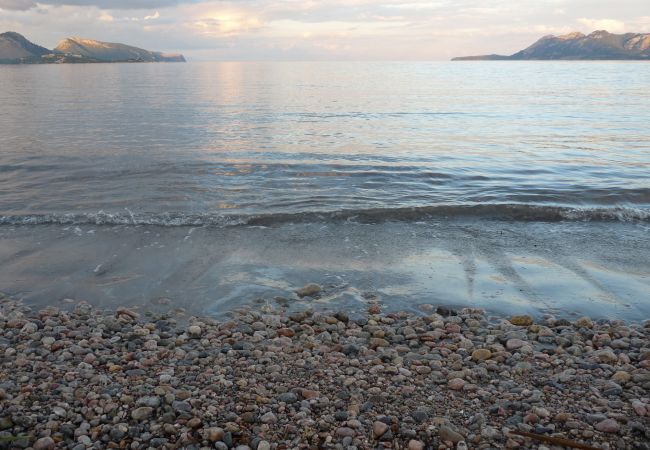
[{"x": 555, "y": 440}]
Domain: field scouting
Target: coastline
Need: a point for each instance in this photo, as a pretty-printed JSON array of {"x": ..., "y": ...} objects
[{"x": 448, "y": 379}]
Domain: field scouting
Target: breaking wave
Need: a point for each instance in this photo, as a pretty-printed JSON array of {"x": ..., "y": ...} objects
[{"x": 516, "y": 212}]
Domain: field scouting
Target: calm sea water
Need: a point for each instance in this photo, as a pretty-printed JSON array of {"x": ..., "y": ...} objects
[
  {"x": 513, "y": 186},
  {"x": 225, "y": 143}
]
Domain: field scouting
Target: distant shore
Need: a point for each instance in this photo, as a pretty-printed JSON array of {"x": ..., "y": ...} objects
[{"x": 273, "y": 380}]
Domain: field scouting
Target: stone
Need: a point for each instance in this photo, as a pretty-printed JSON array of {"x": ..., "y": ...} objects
[
  {"x": 584, "y": 322},
  {"x": 269, "y": 417},
  {"x": 308, "y": 291},
  {"x": 345, "y": 431},
  {"x": 522, "y": 321},
  {"x": 514, "y": 344},
  {"x": 379, "y": 429},
  {"x": 456, "y": 384},
  {"x": 639, "y": 407},
  {"x": 608, "y": 426},
  {"x": 142, "y": 413},
  {"x": 214, "y": 434},
  {"x": 481, "y": 354},
  {"x": 309, "y": 394},
  {"x": 151, "y": 401},
  {"x": 378, "y": 342},
  {"x": 44, "y": 443},
  {"x": 415, "y": 445},
  {"x": 194, "y": 422},
  {"x": 447, "y": 434},
  {"x": 288, "y": 397},
  {"x": 605, "y": 356},
  {"x": 264, "y": 445},
  {"x": 621, "y": 377},
  {"x": 286, "y": 332},
  {"x": 194, "y": 331}
]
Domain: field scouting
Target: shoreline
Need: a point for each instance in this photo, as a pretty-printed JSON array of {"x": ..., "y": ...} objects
[{"x": 273, "y": 380}]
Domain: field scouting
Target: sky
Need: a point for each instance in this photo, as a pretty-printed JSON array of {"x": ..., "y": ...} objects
[{"x": 320, "y": 29}]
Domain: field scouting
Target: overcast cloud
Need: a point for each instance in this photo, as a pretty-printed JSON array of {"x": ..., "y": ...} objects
[{"x": 320, "y": 29}]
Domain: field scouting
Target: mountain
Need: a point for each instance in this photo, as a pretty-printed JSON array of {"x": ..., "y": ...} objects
[
  {"x": 111, "y": 52},
  {"x": 14, "y": 48},
  {"x": 577, "y": 46}
]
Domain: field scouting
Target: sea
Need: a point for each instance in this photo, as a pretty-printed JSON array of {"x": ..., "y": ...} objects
[{"x": 200, "y": 188}]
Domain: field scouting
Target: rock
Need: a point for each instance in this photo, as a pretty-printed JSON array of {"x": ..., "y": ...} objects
[
  {"x": 44, "y": 443},
  {"x": 605, "y": 356},
  {"x": 142, "y": 413},
  {"x": 514, "y": 344},
  {"x": 522, "y": 321},
  {"x": 269, "y": 417},
  {"x": 639, "y": 408},
  {"x": 456, "y": 384},
  {"x": 214, "y": 434},
  {"x": 481, "y": 354},
  {"x": 287, "y": 332},
  {"x": 194, "y": 422},
  {"x": 584, "y": 322},
  {"x": 374, "y": 309},
  {"x": 449, "y": 435},
  {"x": 608, "y": 426},
  {"x": 378, "y": 342},
  {"x": 415, "y": 445},
  {"x": 194, "y": 331},
  {"x": 379, "y": 429},
  {"x": 308, "y": 394},
  {"x": 264, "y": 445},
  {"x": 345, "y": 431},
  {"x": 152, "y": 401},
  {"x": 621, "y": 376},
  {"x": 308, "y": 291},
  {"x": 288, "y": 397}
]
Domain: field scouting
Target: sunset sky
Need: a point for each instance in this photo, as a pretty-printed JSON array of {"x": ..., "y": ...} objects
[{"x": 320, "y": 29}]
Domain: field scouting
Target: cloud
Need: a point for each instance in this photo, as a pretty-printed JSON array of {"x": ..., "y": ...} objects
[
  {"x": 611, "y": 25},
  {"x": 319, "y": 29},
  {"x": 23, "y": 5},
  {"x": 17, "y": 5}
]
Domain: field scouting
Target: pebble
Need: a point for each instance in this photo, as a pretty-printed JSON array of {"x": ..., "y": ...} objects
[
  {"x": 379, "y": 429},
  {"x": 449, "y": 435},
  {"x": 142, "y": 413},
  {"x": 262, "y": 380},
  {"x": 481, "y": 354},
  {"x": 308, "y": 291},
  {"x": 45, "y": 443},
  {"x": 194, "y": 331},
  {"x": 608, "y": 426},
  {"x": 456, "y": 384},
  {"x": 523, "y": 321}
]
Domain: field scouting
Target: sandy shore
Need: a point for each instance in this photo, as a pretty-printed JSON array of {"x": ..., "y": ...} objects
[{"x": 449, "y": 379}]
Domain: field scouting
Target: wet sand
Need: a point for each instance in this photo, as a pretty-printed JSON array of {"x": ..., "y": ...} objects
[{"x": 565, "y": 268}]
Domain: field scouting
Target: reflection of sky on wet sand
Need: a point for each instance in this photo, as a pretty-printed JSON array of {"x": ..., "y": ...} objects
[{"x": 501, "y": 266}]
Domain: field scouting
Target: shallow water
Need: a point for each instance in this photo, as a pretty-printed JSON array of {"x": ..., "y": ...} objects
[
  {"x": 221, "y": 142},
  {"x": 566, "y": 268},
  {"x": 511, "y": 185}
]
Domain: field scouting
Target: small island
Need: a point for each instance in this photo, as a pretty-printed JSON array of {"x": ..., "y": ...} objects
[
  {"x": 599, "y": 45},
  {"x": 16, "y": 49}
]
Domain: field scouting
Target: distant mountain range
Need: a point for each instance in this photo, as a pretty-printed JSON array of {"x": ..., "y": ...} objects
[
  {"x": 16, "y": 49},
  {"x": 599, "y": 45}
]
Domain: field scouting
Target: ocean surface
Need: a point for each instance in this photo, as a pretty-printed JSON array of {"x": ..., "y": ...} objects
[{"x": 356, "y": 162}]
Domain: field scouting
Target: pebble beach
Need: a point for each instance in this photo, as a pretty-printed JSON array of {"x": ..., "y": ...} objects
[{"x": 444, "y": 379}]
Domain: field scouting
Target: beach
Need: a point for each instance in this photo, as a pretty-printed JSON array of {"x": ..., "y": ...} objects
[
  {"x": 267, "y": 379},
  {"x": 345, "y": 255}
]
